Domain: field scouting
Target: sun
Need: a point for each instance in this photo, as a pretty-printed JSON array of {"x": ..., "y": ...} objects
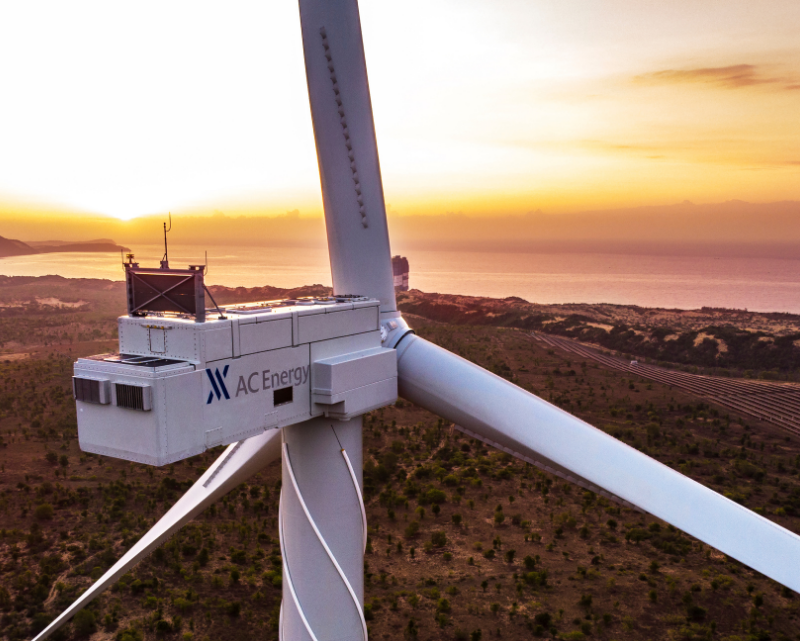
[{"x": 123, "y": 215}]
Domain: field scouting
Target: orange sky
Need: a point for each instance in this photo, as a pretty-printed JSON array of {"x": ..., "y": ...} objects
[{"x": 492, "y": 107}]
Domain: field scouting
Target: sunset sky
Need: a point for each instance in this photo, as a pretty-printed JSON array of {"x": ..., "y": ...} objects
[{"x": 482, "y": 107}]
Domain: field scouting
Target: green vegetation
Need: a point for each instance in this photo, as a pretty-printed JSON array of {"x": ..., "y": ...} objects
[{"x": 511, "y": 553}]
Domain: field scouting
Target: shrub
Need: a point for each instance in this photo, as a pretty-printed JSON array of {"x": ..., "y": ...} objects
[
  {"x": 40, "y": 621},
  {"x": 163, "y": 627},
  {"x": 695, "y": 613},
  {"x": 412, "y": 529},
  {"x": 510, "y": 556},
  {"x": 432, "y": 495},
  {"x": 637, "y": 534},
  {"x": 129, "y": 634},
  {"x": 439, "y": 538},
  {"x": 536, "y": 578},
  {"x": 85, "y": 623},
  {"x": 456, "y": 518},
  {"x": 43, "y": 512}
]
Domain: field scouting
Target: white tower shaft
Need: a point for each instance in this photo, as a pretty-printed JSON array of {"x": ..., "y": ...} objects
[
  {"x": 347, "y": 152},
  {"x": 322, "y": 532}
]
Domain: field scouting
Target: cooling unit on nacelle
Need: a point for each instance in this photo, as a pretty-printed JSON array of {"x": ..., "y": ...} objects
[{"x": 187, "y": 378}]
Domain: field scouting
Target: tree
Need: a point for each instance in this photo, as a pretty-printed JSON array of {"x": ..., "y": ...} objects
[
  {"x": 439, "y": 539},
  {"x": 85, "y": 623},
  {"x": 203, "y": 557}
]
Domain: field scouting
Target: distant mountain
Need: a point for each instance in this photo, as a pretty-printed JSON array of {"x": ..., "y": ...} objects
[
  {"x": 89, "y": 246},
  {"x": 58, "y": 243},
  {"x": 10, "y": 247}
]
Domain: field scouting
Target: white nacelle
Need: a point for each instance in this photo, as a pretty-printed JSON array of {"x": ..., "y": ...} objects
[{"x": 179, "y": 387}]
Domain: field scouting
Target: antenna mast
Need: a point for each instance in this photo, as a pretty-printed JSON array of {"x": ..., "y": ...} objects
[{"x": 165, "y": 259}]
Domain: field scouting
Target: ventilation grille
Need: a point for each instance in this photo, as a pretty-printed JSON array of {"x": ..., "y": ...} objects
[
  {"x": 88, "y": 390},
  {"x": 133, "y": 397}
]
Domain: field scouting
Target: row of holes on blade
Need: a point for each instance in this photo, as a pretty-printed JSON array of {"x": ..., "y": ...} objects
[{"x": 343, "y": 120}]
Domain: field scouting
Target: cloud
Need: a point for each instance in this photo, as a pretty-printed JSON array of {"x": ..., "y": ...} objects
[{"x": 731, "y": 77}]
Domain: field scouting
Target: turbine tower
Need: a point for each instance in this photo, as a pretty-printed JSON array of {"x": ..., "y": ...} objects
[{"x": 292, "y": 379}]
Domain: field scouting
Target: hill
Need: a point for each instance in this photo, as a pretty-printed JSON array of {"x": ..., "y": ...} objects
[
  {"x": 9, "y": 247},
  {"x": 729, "y": 342}
]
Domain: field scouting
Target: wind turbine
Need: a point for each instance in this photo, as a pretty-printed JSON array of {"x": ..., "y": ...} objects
[{"x": 322, "y": 519}]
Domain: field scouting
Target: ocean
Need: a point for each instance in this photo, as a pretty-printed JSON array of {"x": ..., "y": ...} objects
[{"x": 684, "y": 282}]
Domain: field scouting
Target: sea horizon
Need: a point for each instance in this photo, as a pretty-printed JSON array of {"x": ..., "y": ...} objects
[{"x": 659, "y": 281}]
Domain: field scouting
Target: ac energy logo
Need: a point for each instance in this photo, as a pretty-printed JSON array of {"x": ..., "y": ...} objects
[
  {"x": 254, "y": 382},
  {"x": 218, "y": 387}
]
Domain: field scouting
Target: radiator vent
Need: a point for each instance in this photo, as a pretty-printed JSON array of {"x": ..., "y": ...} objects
[
  {"x": 133, "y": 397},
  {"x": 88, "y": 390}
]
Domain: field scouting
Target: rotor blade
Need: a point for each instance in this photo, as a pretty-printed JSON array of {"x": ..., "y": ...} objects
[
  {"x": 531, "y": 428},
  {"x": 238, "y": 463},
  {"x": 347, "y": 152}
]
